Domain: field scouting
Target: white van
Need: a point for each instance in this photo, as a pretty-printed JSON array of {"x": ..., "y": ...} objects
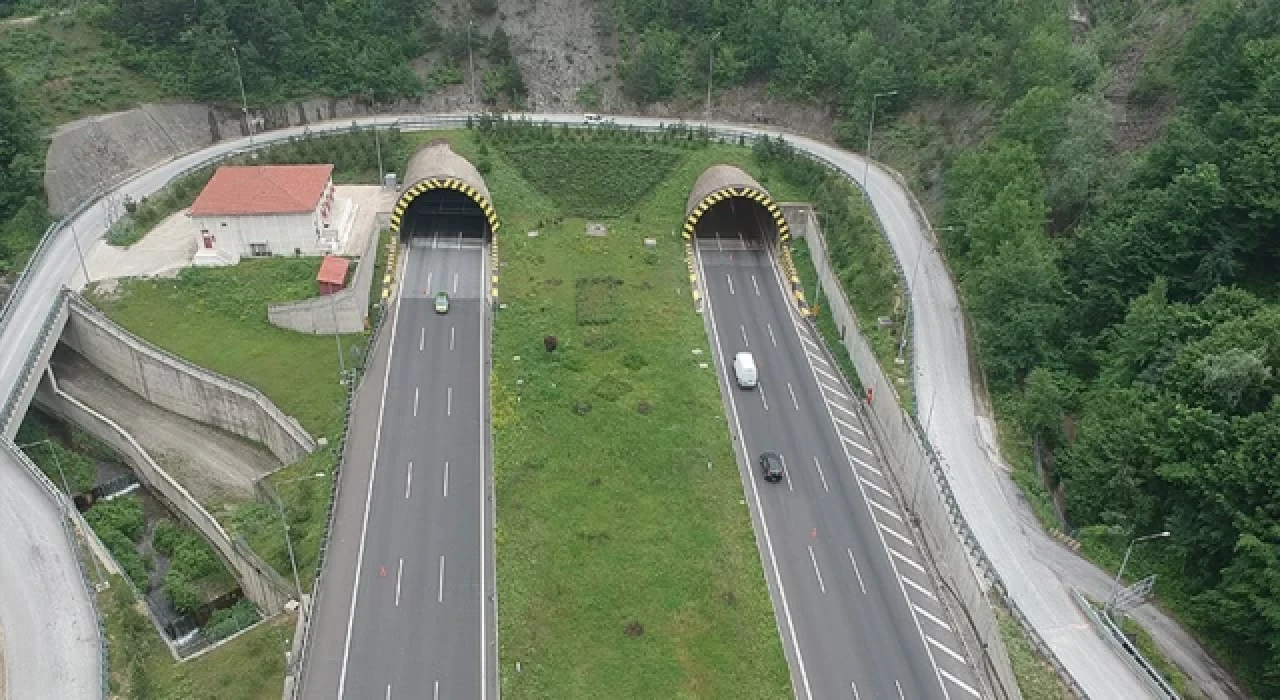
[{"x": 744, "y": 369}]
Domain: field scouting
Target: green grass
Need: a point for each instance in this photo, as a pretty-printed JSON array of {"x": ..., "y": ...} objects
[
  {"x": 150, "y": 211},
  {"x": 593, "y": 178},
  {"x": 1162, "y": 664},
  {"x": 63, "y": 70},
  {"x": 250, "y": 667},
  {"x": 1036, "y": 678},
  {"x": 609, "y": 518}
]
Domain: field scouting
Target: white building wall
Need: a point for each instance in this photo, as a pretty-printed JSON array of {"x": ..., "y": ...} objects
[{"x": 283, "y": 234}]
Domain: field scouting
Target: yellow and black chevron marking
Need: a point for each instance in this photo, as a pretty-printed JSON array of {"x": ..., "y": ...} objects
[
  {"x": 493, "y": 268},
  {"x": 442, "y": 184},
  {"x": 691, "y": 222},
  {"x": 388, "y": 278},
  {"x": 789, "y": 269},
  {"x": 693, "y": 276}
]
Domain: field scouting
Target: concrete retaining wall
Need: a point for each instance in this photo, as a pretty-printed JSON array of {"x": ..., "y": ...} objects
[
  {"x": 919, "y": 477},
  {"x": 260, "y": 582},
  {"x": 189, "y": 390},
  {"x": 346, "y": 311}
]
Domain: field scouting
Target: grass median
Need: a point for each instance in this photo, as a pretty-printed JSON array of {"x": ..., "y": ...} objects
[{"x": 627, "y": 565}]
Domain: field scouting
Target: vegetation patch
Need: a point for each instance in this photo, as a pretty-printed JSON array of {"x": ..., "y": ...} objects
[
  {"x": 1036, "y": 678},
  {"x": 145, "y": 214},
  {"x": 139, "y": 665},
  {"x": 617, "y": 547},
  {"x": 596, "y": 300}
]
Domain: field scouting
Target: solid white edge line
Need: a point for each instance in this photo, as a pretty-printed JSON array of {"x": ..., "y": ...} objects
[
  {"x": 368, "y": 499},
  {"x": 755, "y": 492},
  {"x": 885, "y": 545},
  {"x": 485, "y": 530}
]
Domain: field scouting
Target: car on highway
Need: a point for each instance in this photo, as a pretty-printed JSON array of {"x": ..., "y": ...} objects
[
  {"x": 744, "y": 370},
  {"x": 771, "y": 466},
  {"x": 442, "y": 303}
]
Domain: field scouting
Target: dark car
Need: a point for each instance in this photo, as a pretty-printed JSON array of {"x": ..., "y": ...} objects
[{"x": 771, "y": 466}]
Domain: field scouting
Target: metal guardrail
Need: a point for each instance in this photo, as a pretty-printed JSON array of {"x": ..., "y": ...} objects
[{"x": 1108, "y": 629}]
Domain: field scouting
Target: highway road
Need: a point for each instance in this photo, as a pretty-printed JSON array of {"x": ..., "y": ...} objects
[
  {"x": 859, "y": 613},
  {"x": 1035, "y": 570},
  {"x": 421, "y": 624}
]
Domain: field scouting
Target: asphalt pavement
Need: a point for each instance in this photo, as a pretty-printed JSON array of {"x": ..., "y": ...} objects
[
  {"x": 857, "y": 610},
  {"x": 422, "y": 623}
]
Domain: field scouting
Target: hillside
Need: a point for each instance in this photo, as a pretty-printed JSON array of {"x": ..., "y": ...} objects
[{"x": 1103, "y": 181}]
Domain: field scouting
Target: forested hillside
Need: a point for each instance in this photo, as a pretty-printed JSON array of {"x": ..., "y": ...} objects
[{"x": 1124, "y": 290}]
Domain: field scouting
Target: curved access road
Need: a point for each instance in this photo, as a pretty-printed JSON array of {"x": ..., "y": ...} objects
[{"x": 1028, "y": 561}]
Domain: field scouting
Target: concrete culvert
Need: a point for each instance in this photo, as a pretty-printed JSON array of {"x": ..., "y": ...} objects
[
  {"x": 444, "y": 199},
  {"x": 728, "y": 208}
]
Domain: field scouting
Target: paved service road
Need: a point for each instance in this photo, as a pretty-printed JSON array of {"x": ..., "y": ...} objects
[
  {"x": 858, "y": 613},
  {"x": 421, "y": 625}
]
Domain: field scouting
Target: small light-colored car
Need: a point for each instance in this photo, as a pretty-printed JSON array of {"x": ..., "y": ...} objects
[
  {"x": 744, "y": 370},
  {"x": 442, "y": 303}
]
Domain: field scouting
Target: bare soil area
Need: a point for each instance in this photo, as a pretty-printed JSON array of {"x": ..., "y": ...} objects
[{"x": 215, "y": 466}]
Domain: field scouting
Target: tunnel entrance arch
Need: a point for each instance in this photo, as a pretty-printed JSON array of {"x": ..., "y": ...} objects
[
  {"x": 727, "y": 203},
  {"x": 444, "y": 197}
]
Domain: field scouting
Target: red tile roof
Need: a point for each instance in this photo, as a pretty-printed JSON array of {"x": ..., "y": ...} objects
[
  {"x": 262, "y": 189},
  {"x": 333, "y": 270}
]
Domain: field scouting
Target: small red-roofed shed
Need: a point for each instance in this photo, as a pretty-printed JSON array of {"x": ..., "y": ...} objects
[{"x": 333, "y": 274}]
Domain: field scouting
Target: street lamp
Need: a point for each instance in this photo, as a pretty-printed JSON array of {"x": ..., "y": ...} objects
[
  {"x": 288, "y": 541},
  {"x": 1115, "y": 587},
  {"x": 711, "y": 65},
  {"x": 472, "y": 64},
  {"x": 244, "y": 102},
  {"x": 866, "y": 171}
]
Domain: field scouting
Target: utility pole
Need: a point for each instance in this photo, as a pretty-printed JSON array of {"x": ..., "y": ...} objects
[
  {"x": 472, "y": 63},
  {"x": 377, "y": 144},
  {"x": 866, "y": 171},
  {"x": 342, "y": 365},
  {"x": 1115, "y": 587},
  {"x": 244, "y": 102},
  {"x": 711, "y": 66}
]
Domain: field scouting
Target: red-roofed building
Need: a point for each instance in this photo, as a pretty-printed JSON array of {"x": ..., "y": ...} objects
[
  {"x": 265, "y": 210},
  {"x": 333, "y": 274}
]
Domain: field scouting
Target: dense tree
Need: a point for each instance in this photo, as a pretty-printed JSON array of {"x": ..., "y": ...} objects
[{"x": 21, "y": 163}]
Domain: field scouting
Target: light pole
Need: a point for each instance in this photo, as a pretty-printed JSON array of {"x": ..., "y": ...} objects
[
  {"x": 471, "y": 62},
  {"x": 866, "y": 171},
  {"x": 244, "y": 102},
  {"x": 711, "y": 66},
  {"x": 288, "y": 541},
  {"x": 377, "y": 144},
  {"x": 342, "y": 365},
  {"x": 1115, "y": 587}
]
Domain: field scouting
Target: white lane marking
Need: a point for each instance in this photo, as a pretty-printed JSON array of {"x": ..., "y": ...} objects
[
  {"x": 833, "y": 390},
  {"x": 415, "y": 401},
  {"x": 863, "y": 464},
  {"x": 787, "y": 473},
  {"x": 408, "y": 480},
  {"x": 855, "y": 690},
  {"x": 455, "y": 280},
  {"x": 440, "y": 590},
  {"x": 719, "y": 243},
  {"x": 875, "y": 486},
  {"x": 428, "y": 289},
  {"x": 847, "y": 424},
  {"x": 486, "y": 527},
  {"x": 842, "y": 408},
  {"x": 368, "y": 500},
  {"x": 907, "y": 580},
  {"x": 886, "y": 511},
  {"x": 946, "y": 649},
  {"x": 805, "y": 337},
  {"x": 793, "y": 396},
  {"x": 448, "y": 402},
  {"x": 908, "y": 560},
  {"x": 755, "y": 284},
  {"x": 858, "y": 445},
  {"x": 399, "y": 576},
  {"x": 857, "y": 573},
  {"x": 772, "y": 339},
  {"x": 763, "y": 400},
  {"x": 422, "y": 339},
  {"x": 964, "y": 686},
  {"x": 435, "y": 693},
  {"x": 819, "y": 359},
  {"x": 824, "y": 373},
  {"x": 900, "y": 695},
  {"x": 451, "y": 334},
  {"x": 816, "y": 572},
  {"x": 764, "y": 523},
  {"x": 893, "y": 532},
  {"x": 821, "y": 475},
  {"x": 931, "y": 617},
  {"x": 446, "y": 479},
  {"x": 745, "y": 342},
  {"x": 729, "y": 278},
  {"x": 388, "y": 691}
]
